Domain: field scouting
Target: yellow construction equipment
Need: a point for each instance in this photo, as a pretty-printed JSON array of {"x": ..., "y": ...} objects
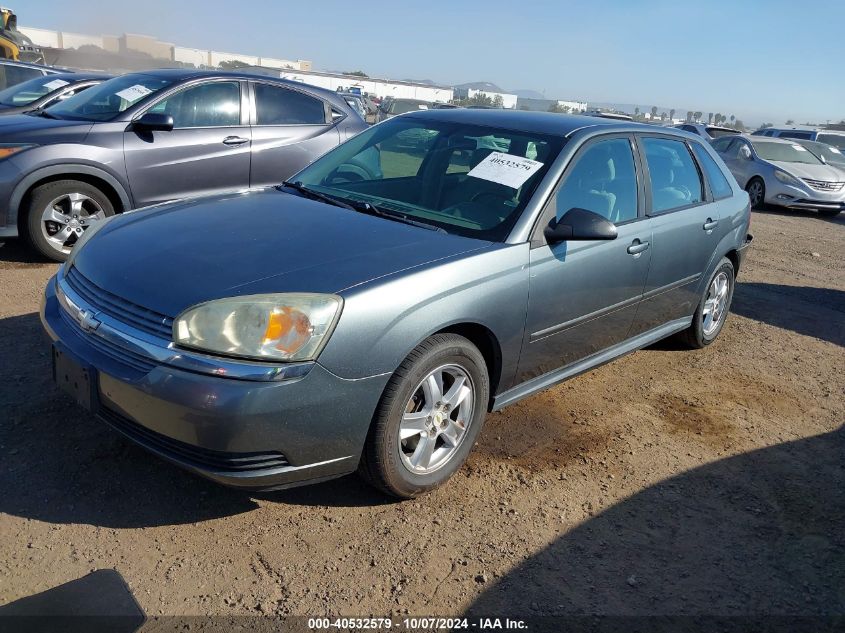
[{"x": 14, "y": 44}]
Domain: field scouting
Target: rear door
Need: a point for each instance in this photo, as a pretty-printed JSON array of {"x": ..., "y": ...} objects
[
  {"x": 583, "y": 295},
  {"x": 208, "y": 150},
  {"x": 290, "y": 128},
  {"x": 685, "y": 224}
]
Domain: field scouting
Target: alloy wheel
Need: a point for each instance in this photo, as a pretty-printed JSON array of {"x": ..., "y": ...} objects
[
  {"x": 715, "y": 304},
  {"x": 755, "y": 192},
  {"x": 65, "y": 218},
  {"x": 436, "y": 419}
]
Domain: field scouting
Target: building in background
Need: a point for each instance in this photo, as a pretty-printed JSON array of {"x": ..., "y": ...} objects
[
  {"x": 550, "y": 105},
  {"x": 366, "y": 85},
  {"x": 139, "y": 46}
]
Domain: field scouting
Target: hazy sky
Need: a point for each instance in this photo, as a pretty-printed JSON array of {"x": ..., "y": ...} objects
[{"x": 746, "y": 58}]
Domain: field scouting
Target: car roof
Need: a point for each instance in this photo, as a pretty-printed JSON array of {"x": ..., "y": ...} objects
[
  {"x": 533, "y": 122},
  {"x": 188, "y": 74},
  {"x": 80, "y": 76},
  {"x": 42, "y": 67}
]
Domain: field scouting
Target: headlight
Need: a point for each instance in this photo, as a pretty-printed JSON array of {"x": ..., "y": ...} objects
[
  {"x": 787, "y": 179},
  {"x": 286, "y": 327},
  {"x": 8, "y": 149}
]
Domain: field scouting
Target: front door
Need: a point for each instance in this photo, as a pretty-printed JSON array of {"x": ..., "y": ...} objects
[
  {"x": 208, "y": 150},
  {"x": 583, "y": 295}
]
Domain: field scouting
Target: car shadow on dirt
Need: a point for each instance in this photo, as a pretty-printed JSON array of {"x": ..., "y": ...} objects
[
  {"x": 816, "y": 312},
  {"x": 756, "y": 534},
  {"x": 62, "y": 465},
  {"x": 801, "y": 213}
]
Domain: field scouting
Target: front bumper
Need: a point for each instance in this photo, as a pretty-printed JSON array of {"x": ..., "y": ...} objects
[
  {"x": 254, "y": 434},
  {"x": 803, "y": 197}
]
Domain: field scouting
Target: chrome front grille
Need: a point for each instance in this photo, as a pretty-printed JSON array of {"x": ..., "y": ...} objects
[
  {"x": 823, "y": 185},
  {"x": 122, "y": 355},
  {"x": 141, "y": 318}
]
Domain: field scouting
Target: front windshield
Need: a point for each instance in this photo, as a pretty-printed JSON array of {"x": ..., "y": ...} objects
[
  {"x": 828, "y": 152},
  {"x": 25, "y": 93},
  {"x": 401, "y": 107},
  {"x": 466, "y": 179},
  {"x": 108, "y": 99},
  {"x": 785, "y": 153}
]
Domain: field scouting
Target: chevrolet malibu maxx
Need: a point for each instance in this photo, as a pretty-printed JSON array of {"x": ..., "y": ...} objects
[{"x": 338, "y": 322}]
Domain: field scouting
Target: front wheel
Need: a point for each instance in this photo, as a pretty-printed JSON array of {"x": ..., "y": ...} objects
[
  {"x": 713, "y": 307},
  {"x": 430, "y": 414},
  {"x": 756, "y": 189},
  {"x": 59, "y": 212}
]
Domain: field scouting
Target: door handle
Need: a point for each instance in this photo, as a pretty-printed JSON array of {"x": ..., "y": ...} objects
[
  {"x": 637, "y": 247},
  {"x": 710, "y": 224},
  {"x": 235, "y": 140}
]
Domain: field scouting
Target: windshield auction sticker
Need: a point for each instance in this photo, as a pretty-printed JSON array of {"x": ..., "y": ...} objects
[
  {"x": 133, "y": 93},
  {"x": 506, "y": 169},
  {"x": 56, "y": 83}
]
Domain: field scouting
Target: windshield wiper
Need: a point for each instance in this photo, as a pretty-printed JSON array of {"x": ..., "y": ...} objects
[
  {"x": 316, "y": 195},
  {"x": 360, "y": 206},
  {"x": 42, "y": 113},
  {"x": 371, "y": 209}
]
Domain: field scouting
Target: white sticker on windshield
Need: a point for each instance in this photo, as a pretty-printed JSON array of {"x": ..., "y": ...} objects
[
  {"x": 506, "y": 169},
  {"x": 835, "y": 151},
  {"x": 422, "y": 106},
  {"x": 56, "y": 83},
  {"x": 133, "y": 93},
  {"x": 799, "y": 148}
]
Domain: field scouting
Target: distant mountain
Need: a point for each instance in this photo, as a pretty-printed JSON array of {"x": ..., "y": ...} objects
[
  {"x": 480, "y": 85},
  {"x": 427, "y": 82},
  {"x": 526, "y": 93}
]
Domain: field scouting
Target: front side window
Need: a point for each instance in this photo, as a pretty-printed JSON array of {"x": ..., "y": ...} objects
[
  {"x": 275, "y": 105},
  {"x": 466, "y": 179},
  {"x": 675, "y": 181},
  {"x": 108, "y": 99},
  {"x": 603, "y": 180},
  {"x": 719, "y": 185},
  {"x": 215, "y": 104}
]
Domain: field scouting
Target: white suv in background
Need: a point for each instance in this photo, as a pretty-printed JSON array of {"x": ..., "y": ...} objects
[{"x": 830, "y": 137}]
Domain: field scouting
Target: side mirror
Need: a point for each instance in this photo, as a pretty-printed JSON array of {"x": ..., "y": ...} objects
[
  {"x": 154, "y": 122},
  {"x": 579, "y": 224},
  {"x": 745, "y": 153}
]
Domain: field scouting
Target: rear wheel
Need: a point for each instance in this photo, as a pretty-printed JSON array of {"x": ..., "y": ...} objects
[
  {"x": 756, "y": 189},
  {"x": 430, "y": 414},
  {"x": 59, "y": 212},
  {"x": 713, "y": 307}
]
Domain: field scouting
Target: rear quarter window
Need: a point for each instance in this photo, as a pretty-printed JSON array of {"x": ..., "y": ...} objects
[{"x": 719, "y": 185}]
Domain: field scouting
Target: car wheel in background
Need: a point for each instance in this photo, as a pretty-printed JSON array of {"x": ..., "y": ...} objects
[
  {"x": 59, "y": 212},
  {"x": 429, "y": 416},
  {"x": 713, "y": 307},
  {"x": 756, "y": 189}
]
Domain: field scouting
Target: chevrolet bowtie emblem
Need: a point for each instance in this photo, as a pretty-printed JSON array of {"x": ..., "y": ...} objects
[{"x": 87, "y": 321}]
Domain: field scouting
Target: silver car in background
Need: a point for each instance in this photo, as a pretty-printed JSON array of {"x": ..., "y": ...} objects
[
  {"x": 783, "y": 173},
  {"x": 393, "y": 107}
]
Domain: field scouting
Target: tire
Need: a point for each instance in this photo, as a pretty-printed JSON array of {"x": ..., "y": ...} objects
[
  {"x": 62, "y": 208},
  {"x": 761, "y": 200},
  {"x": 701, "y": 333},
  {"x": 387, "y": 459},
  {"x": 828, "y": 213}
]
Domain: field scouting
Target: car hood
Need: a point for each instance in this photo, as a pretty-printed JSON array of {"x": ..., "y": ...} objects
[
  {"x": 170, "y": 257},
  {"x": 35, "y": 129},
  {"x": 813, "y": 172}
]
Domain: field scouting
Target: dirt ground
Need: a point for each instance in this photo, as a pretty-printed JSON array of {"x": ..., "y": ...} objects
[{"x": 671, "y": 482}]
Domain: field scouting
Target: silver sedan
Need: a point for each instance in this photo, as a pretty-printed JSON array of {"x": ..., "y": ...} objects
[{"x": 783, "y": 173}]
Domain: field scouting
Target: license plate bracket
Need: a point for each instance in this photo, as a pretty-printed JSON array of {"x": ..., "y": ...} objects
[{"x": 75, "y": 378}]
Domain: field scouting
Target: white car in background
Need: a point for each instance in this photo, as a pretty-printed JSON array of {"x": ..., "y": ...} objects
[{"x": 783, "y": 173}]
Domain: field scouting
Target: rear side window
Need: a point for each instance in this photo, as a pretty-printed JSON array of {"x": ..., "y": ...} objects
[
  {"x": 719, "y": 184},
  {"x": 216, "y": 104},
  {"x": 275, "y": 105},
  {"x": 603, "y": 180},
  {"x": 675, "y": 181}
]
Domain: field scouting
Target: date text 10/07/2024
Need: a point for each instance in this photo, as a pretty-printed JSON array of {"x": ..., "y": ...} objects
[{"x": 411, "y": 624}]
